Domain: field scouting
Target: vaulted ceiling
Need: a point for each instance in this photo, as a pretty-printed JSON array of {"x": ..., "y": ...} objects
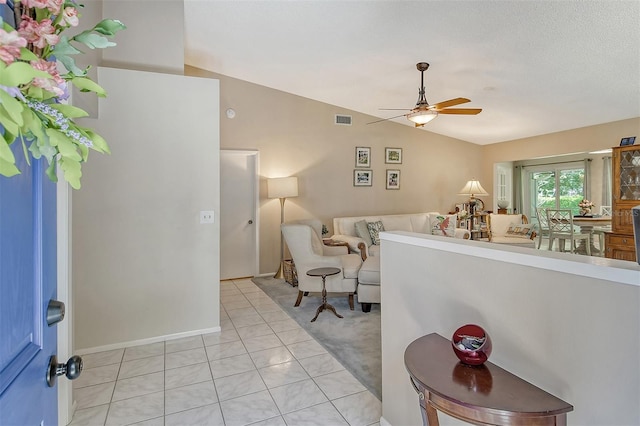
[{"x": 534, "y": 67}]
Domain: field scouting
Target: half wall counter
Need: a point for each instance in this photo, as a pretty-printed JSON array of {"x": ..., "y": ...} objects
[{"x": 566, "y": 323}]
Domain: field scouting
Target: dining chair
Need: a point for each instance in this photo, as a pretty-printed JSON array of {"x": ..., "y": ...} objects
[
  {"x": 543, "y": 224},
  {"x": 601, "y": 230},
  {"x": 561, "y": 228}
]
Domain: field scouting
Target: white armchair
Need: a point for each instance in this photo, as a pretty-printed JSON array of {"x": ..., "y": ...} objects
[
  {"x": 504, "y": 229},
  {"x": 309, "y": 252}
]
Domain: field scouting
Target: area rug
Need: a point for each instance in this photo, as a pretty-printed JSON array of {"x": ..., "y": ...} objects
[{"x": 354, "y": 340}]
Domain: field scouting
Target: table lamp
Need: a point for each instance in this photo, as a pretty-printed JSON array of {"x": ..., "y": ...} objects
[
  {"x": 282, "y": 188},
  {"x": 471, "y": 189}
]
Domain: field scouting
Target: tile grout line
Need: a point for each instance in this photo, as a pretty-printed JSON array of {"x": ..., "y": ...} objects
[{"x": 259, "y": 295}]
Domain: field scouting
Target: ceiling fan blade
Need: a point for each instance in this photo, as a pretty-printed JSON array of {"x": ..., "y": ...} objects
[
  {"x": 450, "y": 102},
  {"x": 464, "y": 111},
  {"x": 387, "y": 119}
]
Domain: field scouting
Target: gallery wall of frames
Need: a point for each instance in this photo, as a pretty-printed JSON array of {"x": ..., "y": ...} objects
[{"x": 363, "y": 173}]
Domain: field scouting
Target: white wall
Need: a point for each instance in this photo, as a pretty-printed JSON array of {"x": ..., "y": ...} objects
[
  {"x": 154, "y": 38},
  {"x": 297, "y": 136},
  {"x": 551, "y": 322},
  {"x": 143, "y": 266}
]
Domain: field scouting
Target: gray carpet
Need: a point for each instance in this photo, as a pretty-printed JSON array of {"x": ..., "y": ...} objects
[{"x": 354, "y": 340}]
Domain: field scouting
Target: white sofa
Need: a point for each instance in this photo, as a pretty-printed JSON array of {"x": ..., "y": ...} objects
[
  {"x": 369, "y": 275},
  {"x": 344, "y": 229}
]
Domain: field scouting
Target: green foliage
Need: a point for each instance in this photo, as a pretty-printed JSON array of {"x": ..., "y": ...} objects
[
  {"x": 571, "y": 184},
  {"x": 31, "y": 111},
  {"x": 566, "y": 202}
]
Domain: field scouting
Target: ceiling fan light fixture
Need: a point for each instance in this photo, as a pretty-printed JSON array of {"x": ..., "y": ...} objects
[{"x": 422, "y": 117}]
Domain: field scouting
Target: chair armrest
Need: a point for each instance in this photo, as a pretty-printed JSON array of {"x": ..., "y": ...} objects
[
  {"x": 363, "y": 250},
  {"x": 354, "y": 242},
  {"x": 334, "y": 250},
  {"x": 319, "y": 261},
  {"x": 462, "y": 233}
]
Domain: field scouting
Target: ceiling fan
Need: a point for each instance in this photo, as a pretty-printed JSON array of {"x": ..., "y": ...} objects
[{"x": 423, "y": 113}]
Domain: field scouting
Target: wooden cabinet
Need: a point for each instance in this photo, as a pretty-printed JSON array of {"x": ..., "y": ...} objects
[
  {"x": 619, "y": 246},
  {"x": 626, "y": 194}
]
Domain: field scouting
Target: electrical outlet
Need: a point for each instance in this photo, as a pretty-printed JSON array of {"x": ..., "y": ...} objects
[{"x": 206, "y": 216}]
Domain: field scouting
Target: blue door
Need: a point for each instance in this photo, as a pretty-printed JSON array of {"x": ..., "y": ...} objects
[{"x": 27, "y": 283}]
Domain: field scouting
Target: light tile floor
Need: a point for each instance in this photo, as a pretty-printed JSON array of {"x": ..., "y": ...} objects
[{"x": 261, "y": 369}]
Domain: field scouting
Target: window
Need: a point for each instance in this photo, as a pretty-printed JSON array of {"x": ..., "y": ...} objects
[{"x": 555, "y": 186}]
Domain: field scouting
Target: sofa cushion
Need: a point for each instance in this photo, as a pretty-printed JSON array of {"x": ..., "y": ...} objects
[
  {"x": 370, "y": 271},
  {"x": 362, "y": 231},
  {"x": 420, "y": 223},
  {"x": 443, "y": 225},
  {"x": 519, "y": 242},
  {"x": 396, "y": 223},
  {"x": 350, "y": 265},
  {"x": 374, "y": 250},
  {"x": 374, "y": 230}
]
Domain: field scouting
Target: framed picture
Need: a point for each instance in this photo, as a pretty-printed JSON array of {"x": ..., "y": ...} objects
[
  {"x": 628, "y": 141},
  {"x": 393, "y": 155},
  {"x": 362, "y": 177},
  {"x": 393, "y": 179},
  {"x": 363, "y": 156}
]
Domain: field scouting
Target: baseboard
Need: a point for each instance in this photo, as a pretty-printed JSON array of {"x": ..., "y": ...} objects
[
  {"x": 384, "y": 422},
  {"x": 268, "y": 274},
  {"x": 156, "y": 339}
]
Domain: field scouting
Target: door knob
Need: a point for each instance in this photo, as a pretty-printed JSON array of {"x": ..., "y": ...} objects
[
  {"x": 71, "y": 369},
  {"x": 250, "y": 221}
]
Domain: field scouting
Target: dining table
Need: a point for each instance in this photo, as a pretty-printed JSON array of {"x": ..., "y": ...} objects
[{"x": 587, "y": 225}]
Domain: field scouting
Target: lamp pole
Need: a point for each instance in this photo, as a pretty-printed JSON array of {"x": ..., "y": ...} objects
[
  {"x": 280, "y": 273},
  {"x": 282, "y": 188}
]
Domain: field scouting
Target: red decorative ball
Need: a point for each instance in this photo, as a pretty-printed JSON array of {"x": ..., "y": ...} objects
[{"x": 471, "y": 344}]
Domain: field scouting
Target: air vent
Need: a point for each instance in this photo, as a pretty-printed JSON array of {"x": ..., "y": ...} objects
[{"x": 343, "y": 120}]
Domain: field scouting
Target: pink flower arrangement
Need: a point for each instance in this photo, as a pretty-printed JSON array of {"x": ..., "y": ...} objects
[
  {"x": 33, "y": 87},
  {"x": 586, "y": 204},
  {"x": 10, "y": 45}
]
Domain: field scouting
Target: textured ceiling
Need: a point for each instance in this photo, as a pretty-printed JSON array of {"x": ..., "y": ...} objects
[{"x": 534, "y": 67}]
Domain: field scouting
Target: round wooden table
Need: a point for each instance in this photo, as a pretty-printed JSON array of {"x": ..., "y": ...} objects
[{"x": 324, "y": 273}]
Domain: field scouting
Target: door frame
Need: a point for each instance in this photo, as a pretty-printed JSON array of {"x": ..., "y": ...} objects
[
  {"x": 256, "y": 200},
  {"x": 66, "y": 404}
]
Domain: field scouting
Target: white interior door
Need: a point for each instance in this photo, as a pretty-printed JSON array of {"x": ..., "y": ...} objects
[{"x": 238, "y": 214}]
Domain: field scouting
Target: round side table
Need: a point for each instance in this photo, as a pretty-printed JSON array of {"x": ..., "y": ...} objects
[{"x": 324, "y": 273}]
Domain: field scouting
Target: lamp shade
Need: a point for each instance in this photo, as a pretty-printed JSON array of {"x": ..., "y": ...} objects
[
  {"x": 284, "y": 187},
  {"x": 422, "y": 117},
  {"x": 472, "y": 188}
]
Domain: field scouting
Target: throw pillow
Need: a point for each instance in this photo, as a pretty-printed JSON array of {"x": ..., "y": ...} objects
[
  {"x": 520, "y": 230},
  {"x": 362, "y": 231},
  {"x": 374, "y": 230},
  {"x": 443, "y": 224}
]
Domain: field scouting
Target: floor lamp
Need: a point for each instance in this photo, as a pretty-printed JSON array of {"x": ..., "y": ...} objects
[{"x": 282, "y": 188}]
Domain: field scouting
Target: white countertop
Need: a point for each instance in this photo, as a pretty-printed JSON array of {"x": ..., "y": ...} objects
[{"x": 618, "y": 271}]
